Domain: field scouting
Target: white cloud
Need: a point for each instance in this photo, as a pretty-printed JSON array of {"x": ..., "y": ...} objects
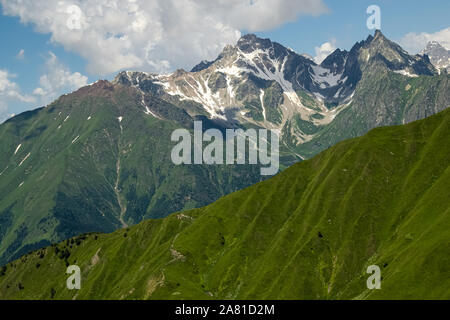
[
  {"x": 416, "y": 42},
  {"x": 155, "y": 35},
  {"x": 57, "y": 79},
  {"x": 39, "y": 92},
  {"x": 10, "y": 93},
  {"x": 324, "y": 51},
  {"x": 9, "y": 90},
  {"x": 21, "y": 54}
]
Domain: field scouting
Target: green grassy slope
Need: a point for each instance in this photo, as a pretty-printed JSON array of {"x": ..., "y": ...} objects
[
  {"x": 78, "y": 169},
  {"x": 308, "y": 233}
]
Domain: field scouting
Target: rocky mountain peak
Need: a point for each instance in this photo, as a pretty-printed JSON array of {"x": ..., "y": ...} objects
[
  {"x": 379, "y": 35},
  {"x": 251, "y": 42},
  {"x": 379, "y": 50},
  {"x": 202, "y": 65},
  {"x": 335, "y": 61},
  {"x": 434, "y": 45},
  {"x": 382, "y": 44},
  {"x": 439, "y": 56}
]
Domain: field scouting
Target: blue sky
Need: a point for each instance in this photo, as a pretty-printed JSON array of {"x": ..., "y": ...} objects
[
  {"x": 36, "y": 46},
  {"x": 346, "y": 23},
  {"x": 56, "y": 62}
]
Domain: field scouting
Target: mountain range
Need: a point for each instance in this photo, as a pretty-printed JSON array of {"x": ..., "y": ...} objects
[
  {"x": 98, "y": 159},
  {"x": 308, "y": 233}
]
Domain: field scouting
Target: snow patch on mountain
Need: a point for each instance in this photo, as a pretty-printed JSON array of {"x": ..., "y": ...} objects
[
  {"x": 261, "y": 97},
  {"x": 24, "y": 159},
  {"x": 406, "y": 73},
  {"x": 325, "y": 78},
  {"x": 75, "y": 140},
  {"x": 17, "y": 149},
  {"x": 232, "y": 71},
  {"x": 255, "y": 59}
]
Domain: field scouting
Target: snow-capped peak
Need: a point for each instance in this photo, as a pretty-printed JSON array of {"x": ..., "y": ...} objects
[{"x": 439, "y": 56}]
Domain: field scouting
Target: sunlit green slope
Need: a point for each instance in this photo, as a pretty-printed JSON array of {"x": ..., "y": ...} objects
[{"x": 308, "y": 233}]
